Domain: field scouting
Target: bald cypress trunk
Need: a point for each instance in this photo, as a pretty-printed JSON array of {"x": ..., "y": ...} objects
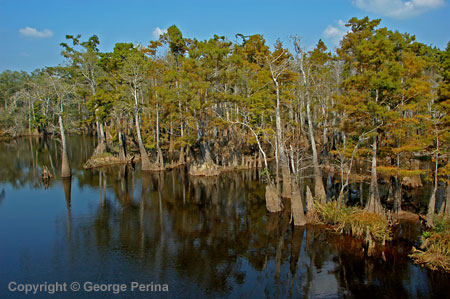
[
  {"x": 309, "y": 203},
  {"x": 285, "y": 172},
  {"x": 273, "y": 200},
  {"x": 319, "y": 189},
  {"x": 432, "y": 202},
  {"x": 144, "y": 158},
  {"x": 298, "y": 211},
  {"x": 159, "y": 157},
  {"x": 181, "y": 158},
  {"x": 374, "y": 204},
  {"x": 101, "y": 146},
  {"x": 65, "y": 164},
  {"x": 431, "y": 207},
  {"x": 122, "y": 145},
  {"x": 447, "y": 201},
  {"x": 397, "y": 195}
]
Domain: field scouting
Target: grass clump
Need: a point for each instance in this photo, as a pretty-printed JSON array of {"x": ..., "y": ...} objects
[
  {"x": 435, "y": 253},
  {"x": 354, "y": 221},
  {"x": 105, "y": 154}
]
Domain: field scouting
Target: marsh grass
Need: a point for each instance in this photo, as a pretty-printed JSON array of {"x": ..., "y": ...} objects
[
  {"x": 353, "y": 221},
  {"x": 435, "y": 248}
]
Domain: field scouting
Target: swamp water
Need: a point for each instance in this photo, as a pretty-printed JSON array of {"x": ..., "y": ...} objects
[{"x": 202, "y": 237}]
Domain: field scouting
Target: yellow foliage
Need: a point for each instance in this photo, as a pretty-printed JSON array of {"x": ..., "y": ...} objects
[{"x": 395, "y": 171}]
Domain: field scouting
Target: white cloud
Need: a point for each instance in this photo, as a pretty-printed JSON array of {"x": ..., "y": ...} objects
[
  {"x": 158, "y": 31},
  {"x": 33, "y": 32},
  {"x": 335, "y": 33},
  {"x": 398, "y": 8}
]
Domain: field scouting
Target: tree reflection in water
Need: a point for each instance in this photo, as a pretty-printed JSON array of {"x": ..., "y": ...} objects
[{"x": 203, "y": 236}]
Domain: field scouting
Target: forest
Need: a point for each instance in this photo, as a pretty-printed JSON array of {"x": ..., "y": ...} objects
[{"x": 375, "y": 111}]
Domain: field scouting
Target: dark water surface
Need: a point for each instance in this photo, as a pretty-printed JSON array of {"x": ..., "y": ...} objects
[{"x": 201, "y": 237}]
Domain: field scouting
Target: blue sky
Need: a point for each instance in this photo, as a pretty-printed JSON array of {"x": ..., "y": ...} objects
[{"x": 31, "y": 30}]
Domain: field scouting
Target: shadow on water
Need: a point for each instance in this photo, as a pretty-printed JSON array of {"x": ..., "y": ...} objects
[{"x": 201, "y": 236}]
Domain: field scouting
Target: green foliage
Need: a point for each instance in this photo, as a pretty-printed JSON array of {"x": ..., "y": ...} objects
[
  {"x": 175, "y": 39},
  {"x": 441, "y": 224}
]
